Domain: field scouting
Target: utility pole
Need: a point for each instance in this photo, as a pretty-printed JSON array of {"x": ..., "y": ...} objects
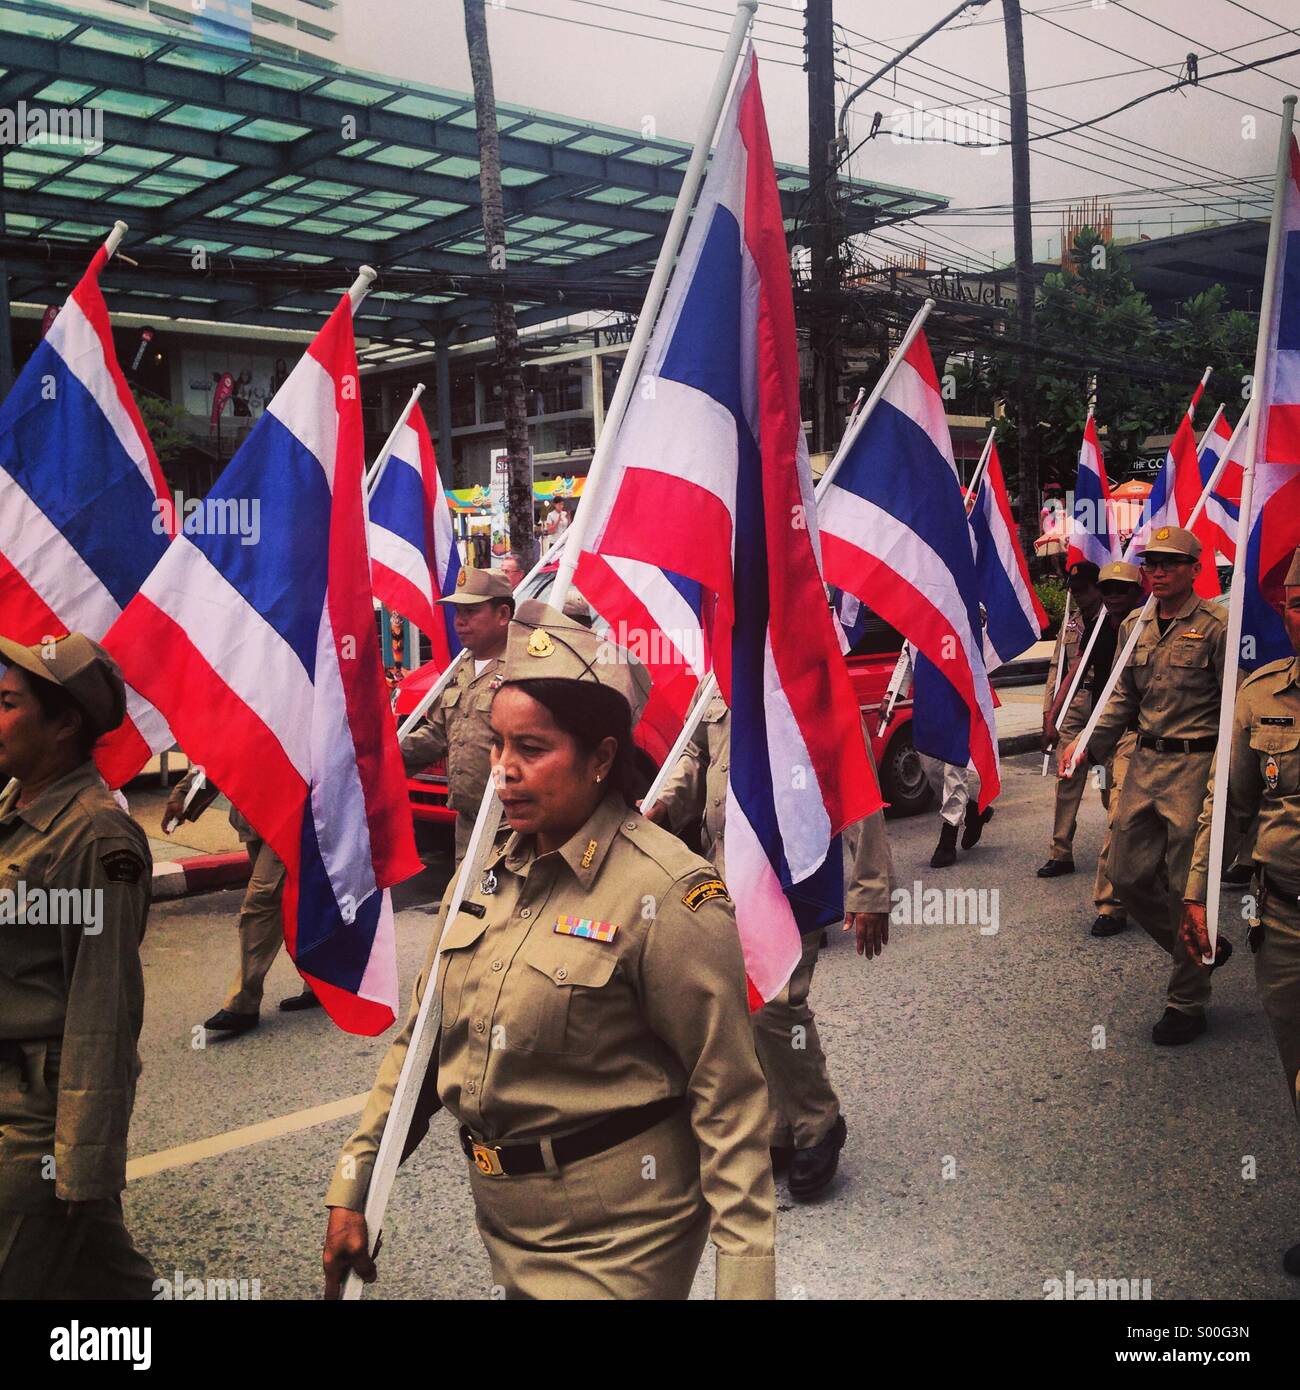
[
  {"x": 1022, "y": 224},
  {"x": 513, "y": 405},
  {"x": 823, "y": 329}
]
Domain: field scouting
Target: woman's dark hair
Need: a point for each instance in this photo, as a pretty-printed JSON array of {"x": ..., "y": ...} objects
[
  {"x": 55, "y": 702},
  {"x": 590, "y": 713}
]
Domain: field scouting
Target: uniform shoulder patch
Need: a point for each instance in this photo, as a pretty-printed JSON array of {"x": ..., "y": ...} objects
[
  {"x": 121, "y": 866},
  {"x": 704, "y": 892}
]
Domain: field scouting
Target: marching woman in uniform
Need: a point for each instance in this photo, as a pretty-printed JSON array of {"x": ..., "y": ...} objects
[{"x": 595, "y": 1043}]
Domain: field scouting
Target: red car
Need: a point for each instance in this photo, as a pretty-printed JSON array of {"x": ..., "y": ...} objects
[{"x": 871, "y": 663}]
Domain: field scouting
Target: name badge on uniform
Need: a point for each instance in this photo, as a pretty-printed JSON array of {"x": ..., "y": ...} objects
[
  {"x": 1283, "y": 721},
  {"x": 585, "y": 927},
  {"x": 1271, "y": 772}
]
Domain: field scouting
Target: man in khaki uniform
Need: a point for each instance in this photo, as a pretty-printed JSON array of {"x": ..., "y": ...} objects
[
  {"x": 75, "y": 879},
  {"x": 807, "y": 1130},
  {"x": 1085, "y": 611},
  {"x": 1171, "y": 688},
  {"x": 1120, "y": 586},
  {"x": 261, "y": 924},
  {"x": 456, "y": 728},
  {"x": 1264, "y": 792},
  {"x": 594, "y": 1044}
]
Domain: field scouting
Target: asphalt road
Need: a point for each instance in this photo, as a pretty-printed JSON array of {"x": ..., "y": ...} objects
[{"x": 1009, "y": 1119}]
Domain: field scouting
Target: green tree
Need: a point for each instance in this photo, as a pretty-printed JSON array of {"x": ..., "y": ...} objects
[{"x": 164, "y": 423}]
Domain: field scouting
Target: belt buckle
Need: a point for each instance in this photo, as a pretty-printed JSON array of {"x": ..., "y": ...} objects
[{"x": 487, "y": 1160}]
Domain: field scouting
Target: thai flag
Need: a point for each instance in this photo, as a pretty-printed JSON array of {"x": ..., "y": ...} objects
[
  {"x": 1092, "y": 534},
  {"x": 895, "y": 533},
  {"x": 1223, "y": 506},
  {"x": 1174, "y": 495},
  {"x": 265, "y": 659},
  {"x": 658, "y": 616},
  {"x": 1014, "y": 619},
  {"x": 1275, "y": 501},
  {"x": 84, "y": 510},
  {"x": 709, "y": 480},
  {"x": 413, "y": 557}
]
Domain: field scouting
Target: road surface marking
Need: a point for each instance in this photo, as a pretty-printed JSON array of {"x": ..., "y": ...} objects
[{"x": 185, "y": 1154}]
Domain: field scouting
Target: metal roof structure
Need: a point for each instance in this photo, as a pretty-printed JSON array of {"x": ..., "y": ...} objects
[{"x": 290, "y": 174}]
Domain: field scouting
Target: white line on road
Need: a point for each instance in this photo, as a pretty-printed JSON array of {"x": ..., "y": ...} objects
[{"x": 185, "y": 1154}]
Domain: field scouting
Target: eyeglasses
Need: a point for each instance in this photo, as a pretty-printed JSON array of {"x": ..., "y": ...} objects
[{"x": 1165, "y": 562}]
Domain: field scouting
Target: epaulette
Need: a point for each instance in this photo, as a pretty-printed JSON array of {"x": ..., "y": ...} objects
[
  {"x": 662, "y": 846},
  {"x": 1272, "y": 669}
]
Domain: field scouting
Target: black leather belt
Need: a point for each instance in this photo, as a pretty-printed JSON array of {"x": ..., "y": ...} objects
[
  {"x": 514, "y": 1160},
  {"x": 1288, "y": 895},
  {"x": 1178, "y": 745}
]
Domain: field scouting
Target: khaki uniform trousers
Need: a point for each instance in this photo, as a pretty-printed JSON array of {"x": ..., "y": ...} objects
[
  {"x": 1277, "y": 977},
  {"x": 1152, "y": 840},
  {"x": 261, "y": 929},
  {"x": 1104, "y": 896},
  {"x": 951, "y": 784},
  {"x": 48, "y": 1250},
  {"x": 628, "y": 1223},
  {"x": 804, "y": 1103},
  {"x": 1069, "y": 790}
]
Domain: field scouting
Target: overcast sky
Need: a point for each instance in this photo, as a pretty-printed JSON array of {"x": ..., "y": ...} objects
[{"x": 546, "y": 55}]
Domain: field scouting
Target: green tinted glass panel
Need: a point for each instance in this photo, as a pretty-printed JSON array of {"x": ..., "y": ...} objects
[
  {"x": 201, "y": 168},
  {"x": 201, "y": 118},
  {"x": 35, "y": 163},
  {"x": 617, "y": 196},
  {"x": 38, "y": 25},
  {"x": 272, "y": 130},
  {"x": 537, "y": 224},
  {"x": 390, "y": 202},
  {"x": 400, "y": 222},
  {"x": 425, "y": 107},
  {"x": 518, "y": 178},
  {"x": 294, "y": 206},
  {"x": 261, "y": 253},
  {"x": 324, "y": 188},
  {"x": 130, "y": 103},
  {"x": 168, "y": 183},
  {"x": 134, "y": 158},
  {"x": 269, "y": 75},
  {"x": 437, "y": 207},
  {"x": 598, "y": 144},
  {"x": 360, "y": 92},
  {"x": 106, "y": 41},
  {"x": 402, "y": 156},
  {"x": 134, "y": 198},
  {"x": 64, "y": 93},
  {"x": 201, "y": 59},
  {"x": 259, "y": 218}
]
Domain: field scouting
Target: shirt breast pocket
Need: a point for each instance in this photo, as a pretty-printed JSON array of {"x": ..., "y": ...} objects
[
  {"x": 456, "y": 955},
  {"x": 561, "y": 994},
  {"x": 1189, "y": 655},
  {"x": 1278, "y": 749}
]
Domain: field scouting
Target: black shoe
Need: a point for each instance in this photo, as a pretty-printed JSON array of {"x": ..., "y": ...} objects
[
  {"x": 1176, "y": 1027},
  {"x": 1291, "y": 1260},
  {"x": 945, "y": 852},
  {"x": 814, "y": 1167},
  {"x": 1222, "y": 952},
  {"x": 1238, "y": 875},
  {"x": 223, "y": 1021},
  {"x": 305, "y": 1000},
  {"x": 1108, "y": 925},
  {"x": 975, "y": 824},
  {"x": 782, "y": 1157},
  {"x": 1054, "y": 868}
]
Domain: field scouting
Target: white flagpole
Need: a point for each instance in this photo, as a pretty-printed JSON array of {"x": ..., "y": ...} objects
[
  {"x": 1237, "y": 595},
  {"x": 381, "y": 461},
  {"x": 630, "y": 376},
  {"x": 1081, "y": 744},
  {"x": 424, "y": 1033},
  {"x": 977, "y": 477},
  {"x": 360, "y": 287},
  {"x": 115, "y": 238},
  {"x": 1056, "y": 683}
]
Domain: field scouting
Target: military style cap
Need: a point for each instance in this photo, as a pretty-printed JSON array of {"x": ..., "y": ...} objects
[
  {"x": 1121, "y": 571},
  {"x": 545, "y": 645},
  {"x": 477, "y": 586},
  {"x": 1293, "y": 574},
  {"x": 1173, "y": 540},
  {"x": 83, "y": 668}
]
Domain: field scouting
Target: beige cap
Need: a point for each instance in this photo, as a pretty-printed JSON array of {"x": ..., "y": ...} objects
[
  {"x": 1293, "y": 574},
  {"x": 478, "y": 586},
  {"x": 1122, "y": 571},
  {"x": 1173, "y": 540},
  {"x": 545, "y": 645},
  {"x": 83, "y": 668}
]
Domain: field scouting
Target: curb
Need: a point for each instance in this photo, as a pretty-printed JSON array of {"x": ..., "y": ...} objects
[
  {"x": 200, "y": 873},
  {"x": 1020, "y": 743}
]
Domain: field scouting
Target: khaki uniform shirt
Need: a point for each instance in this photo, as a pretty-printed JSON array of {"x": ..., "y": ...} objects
[
  {"x": 1069, "y": 643},
  {"x": 1172, "y": 684},
  {"x": 1263, "y": 777},
  {"x": 697, "y": 790},
  {"x": 545, "y": 1032},
  {"x": 457, "y": 730},
  {"x": 79, "y": 979}
]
